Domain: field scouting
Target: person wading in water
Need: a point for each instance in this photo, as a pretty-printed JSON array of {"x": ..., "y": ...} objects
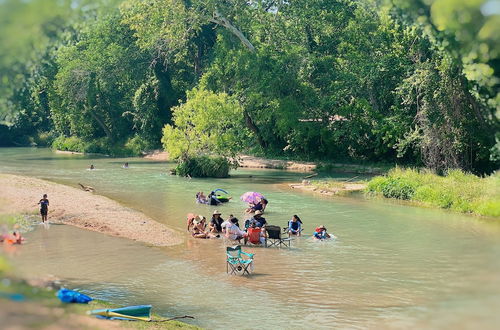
[{"x": 44, "y": 207}]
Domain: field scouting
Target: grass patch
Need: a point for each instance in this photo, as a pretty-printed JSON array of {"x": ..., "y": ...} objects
[{"x": 457, "y": 191}]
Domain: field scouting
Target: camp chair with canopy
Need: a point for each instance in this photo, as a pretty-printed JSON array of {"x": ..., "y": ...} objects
[
  {"x": 238, "y": 262},
  {"x": 274, "y": 237}
]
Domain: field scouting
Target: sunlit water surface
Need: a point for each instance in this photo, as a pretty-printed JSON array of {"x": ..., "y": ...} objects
[{"x": 391, "y": 267}]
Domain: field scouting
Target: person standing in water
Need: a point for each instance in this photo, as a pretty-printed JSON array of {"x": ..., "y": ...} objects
[
  {"x": 44, "y": 207},
  {"x": 91, "y": 167}
]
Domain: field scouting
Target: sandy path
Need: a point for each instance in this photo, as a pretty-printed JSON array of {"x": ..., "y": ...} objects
[{"x": 71, "y": 206}]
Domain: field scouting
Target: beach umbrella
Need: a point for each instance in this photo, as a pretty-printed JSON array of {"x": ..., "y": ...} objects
[{"x": 251, "y": 197}]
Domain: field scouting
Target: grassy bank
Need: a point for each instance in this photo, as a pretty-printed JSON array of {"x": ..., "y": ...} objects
[{"x": 457, "y": 191}]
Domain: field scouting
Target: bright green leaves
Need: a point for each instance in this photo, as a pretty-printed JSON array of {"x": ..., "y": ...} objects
[{"x": 207, "y": 123}]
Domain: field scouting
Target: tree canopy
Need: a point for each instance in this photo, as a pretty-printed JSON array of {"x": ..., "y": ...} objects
[{"x": 413, "y": 82}]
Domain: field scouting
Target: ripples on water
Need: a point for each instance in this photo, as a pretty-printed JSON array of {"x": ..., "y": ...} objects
[{"x": 391, "y": 267}]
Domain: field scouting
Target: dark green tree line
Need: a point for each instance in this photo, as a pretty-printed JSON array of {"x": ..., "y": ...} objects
[{"x": 370, "y": 80}]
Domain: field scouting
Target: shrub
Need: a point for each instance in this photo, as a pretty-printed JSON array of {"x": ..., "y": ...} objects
[
  {"x": 71, "y": 143},
  {"x": 137, "y": 145},
  {"x": 204, "y": 167},
  {"x": 133, "y": 147}
]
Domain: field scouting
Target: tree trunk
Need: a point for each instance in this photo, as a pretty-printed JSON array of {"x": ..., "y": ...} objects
[
  {"x": 166, "y": 97},
  {"x": 251, "y": 125},
  {"x": 222, "y": 21},
  {"x": 100, "y": 123}
]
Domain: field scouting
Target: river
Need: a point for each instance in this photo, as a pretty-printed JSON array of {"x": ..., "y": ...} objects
[{"x": 392, "y": 266}]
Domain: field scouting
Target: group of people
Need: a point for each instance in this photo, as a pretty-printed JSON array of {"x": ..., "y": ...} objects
[
  {"x": 217, "y": 226},
  {"x": 254, "y": 228},
  {"x": 211, "y": 199}
]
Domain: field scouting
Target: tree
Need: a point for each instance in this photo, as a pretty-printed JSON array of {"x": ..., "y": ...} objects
[{"x": 207, "y": 123}]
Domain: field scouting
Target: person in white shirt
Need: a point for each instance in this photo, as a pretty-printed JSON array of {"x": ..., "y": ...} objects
[{"x": 233, "y": 232}]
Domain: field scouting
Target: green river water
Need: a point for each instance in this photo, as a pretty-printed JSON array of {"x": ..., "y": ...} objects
[{"x": 392, "y": 266}]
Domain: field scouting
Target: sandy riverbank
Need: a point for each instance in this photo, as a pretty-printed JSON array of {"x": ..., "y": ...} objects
[
  {"x": 72, "y": 206},
  {"x": 259, "y": 162},
  {"x": 338, "y": 189}
]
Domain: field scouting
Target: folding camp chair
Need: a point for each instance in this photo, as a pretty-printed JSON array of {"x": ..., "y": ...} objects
[
  {"x": 253, "y": 235},
  {"x": 274, "y": 237},
  {"x": 236, "y": 263}
]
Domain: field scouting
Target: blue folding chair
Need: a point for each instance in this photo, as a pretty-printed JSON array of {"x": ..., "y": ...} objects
[{"x": 238, "y": 262}]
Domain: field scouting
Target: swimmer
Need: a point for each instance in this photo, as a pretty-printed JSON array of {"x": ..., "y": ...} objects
[{"x": 320, "y": 233}]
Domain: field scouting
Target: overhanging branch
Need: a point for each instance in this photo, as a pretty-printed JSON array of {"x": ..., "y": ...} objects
[{"x": 218, "y": 19}]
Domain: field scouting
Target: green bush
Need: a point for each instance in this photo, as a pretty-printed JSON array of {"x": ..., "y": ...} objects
[
  {"x": 137, "y": 145},
  {"x": 204, "y": 167},
  {"x": 456, "y": 190},
  {"x": 71, "y": 143},
  {"x": 133, "y": 147}
]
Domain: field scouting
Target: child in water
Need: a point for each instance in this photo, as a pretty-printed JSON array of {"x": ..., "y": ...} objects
[
  {"x": 44, "y": 207},
  {"x": 320, "y": 233}
]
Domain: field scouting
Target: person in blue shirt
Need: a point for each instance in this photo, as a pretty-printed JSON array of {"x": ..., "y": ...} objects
[
  {"x": 258, "y": 219},
  {"x": 294, "y": 226}
]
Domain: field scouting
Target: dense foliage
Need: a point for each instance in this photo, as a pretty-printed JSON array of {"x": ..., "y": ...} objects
[
  {"x": 456, "y": 190},
  {"x": 413, "y": 82},
  {"x": 203, "y": 167}
]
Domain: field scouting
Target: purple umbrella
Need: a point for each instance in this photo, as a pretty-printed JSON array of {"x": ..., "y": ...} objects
[{"x": 251, "y": 197}]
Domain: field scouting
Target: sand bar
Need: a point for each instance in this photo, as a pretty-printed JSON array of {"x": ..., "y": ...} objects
[{"x": 72, "y": 206}]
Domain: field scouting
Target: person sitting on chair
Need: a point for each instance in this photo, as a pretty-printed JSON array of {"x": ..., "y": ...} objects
[
  {"x": 258, "y": 219},
  {"x": 234, "y": 232},
  {"x": 294, "y": 226},
  {"x": 320, "y": 233}
]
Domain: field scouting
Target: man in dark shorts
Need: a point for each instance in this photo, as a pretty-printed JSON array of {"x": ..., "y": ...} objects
[{"x": 44, "y": 207}]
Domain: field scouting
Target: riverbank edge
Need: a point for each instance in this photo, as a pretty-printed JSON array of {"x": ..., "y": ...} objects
[
  {"x": 41, "y": 307},
  {"x": 249, "y": 161},
  {"x": 82, "y": 209},
  {"x": 317, "y": 187}
]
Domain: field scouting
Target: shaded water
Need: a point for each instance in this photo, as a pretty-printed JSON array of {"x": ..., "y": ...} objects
[{"x": 392, "y": 266}]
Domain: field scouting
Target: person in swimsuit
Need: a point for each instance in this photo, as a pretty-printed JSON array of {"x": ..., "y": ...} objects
[
  {"x": 198, "y": 230},
  {"x": 44, "y": 207}
]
